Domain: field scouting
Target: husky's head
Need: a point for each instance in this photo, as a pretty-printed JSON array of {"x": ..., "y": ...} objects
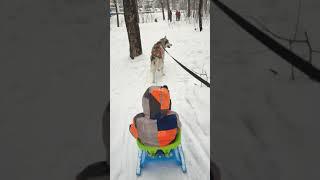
[{"x": 165, "y": 42}]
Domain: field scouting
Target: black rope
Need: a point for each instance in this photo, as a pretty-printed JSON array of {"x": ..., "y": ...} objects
[
  {"x": 189, "y": 71},
  {"x": 273, "y": 45}
]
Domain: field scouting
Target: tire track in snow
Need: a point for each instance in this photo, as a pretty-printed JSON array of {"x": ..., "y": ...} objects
[
  {"x": 193, "y": 155},
  {"x": 198, "y": 128},
  {"x": 195, "y": 139},
  {"x": 192, "y": 141},
  {"x": 196, "y": 116}
]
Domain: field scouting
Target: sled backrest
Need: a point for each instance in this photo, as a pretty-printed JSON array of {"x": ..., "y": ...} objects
[{"x": 152, "y": 150}]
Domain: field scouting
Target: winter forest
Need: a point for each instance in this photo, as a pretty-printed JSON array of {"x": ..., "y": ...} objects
[{"x": 135, "y": 27}]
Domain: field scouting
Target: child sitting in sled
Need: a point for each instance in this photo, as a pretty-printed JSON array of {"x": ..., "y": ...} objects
[
  {"x": 157, "y": 129},
  {"x": 158, "y": 125}
]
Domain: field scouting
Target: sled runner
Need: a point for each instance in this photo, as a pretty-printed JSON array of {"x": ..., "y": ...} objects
[{"x": 172, "y": 151}]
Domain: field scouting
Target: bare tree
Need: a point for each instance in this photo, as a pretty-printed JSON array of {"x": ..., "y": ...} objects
[
  {"x": 206, "y": 6},
  {"x": 131, "y": 17},
  {"x": 168, "y": 8},
  {"x": 189, "y": 8},
  {"x": 182, "y": 4},
  {"x": 194, "y": 8},
  {"x": 162, "y": 8},
  {"x": 116, "y": 5},
  {"x": 200, "y": 14},
  {"x": 138, "y": 5}
]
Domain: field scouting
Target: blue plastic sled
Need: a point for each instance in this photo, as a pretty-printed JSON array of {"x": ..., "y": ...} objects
[{"x": 172, "y": 152}]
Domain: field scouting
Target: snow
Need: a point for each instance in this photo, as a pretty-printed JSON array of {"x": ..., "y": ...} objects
[
  {"x": 265, "y": 126},
  {"x": 190, "y": 99}
]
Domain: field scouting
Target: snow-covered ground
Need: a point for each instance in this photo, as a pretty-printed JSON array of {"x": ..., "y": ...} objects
[
  {"x": 265, "y": 126},
  {"x": 190, "y": 99}
]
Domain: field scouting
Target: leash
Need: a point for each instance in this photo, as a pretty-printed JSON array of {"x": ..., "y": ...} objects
[
  {"x": 189, "y": 71},
  {"x": 292, "y": 58}
]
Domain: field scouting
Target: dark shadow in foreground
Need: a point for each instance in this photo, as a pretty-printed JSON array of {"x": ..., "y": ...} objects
[
  {"x": 214, "y": 172},
  {"x": 98, "y": 169},
  {"x": 102, "y": 168}
]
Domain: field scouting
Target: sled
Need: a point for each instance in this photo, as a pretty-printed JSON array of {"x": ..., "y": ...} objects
[{"x": 173, "y": 151}]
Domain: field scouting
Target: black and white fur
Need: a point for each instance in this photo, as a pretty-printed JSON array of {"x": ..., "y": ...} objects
[{"x": 157, "y": 56}]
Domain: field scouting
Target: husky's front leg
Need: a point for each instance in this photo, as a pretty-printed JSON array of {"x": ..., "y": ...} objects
[
  {"x": 154, "y": 77},
  {"x": 161, "y": 67},
  {"x": 153, "y": 70}
]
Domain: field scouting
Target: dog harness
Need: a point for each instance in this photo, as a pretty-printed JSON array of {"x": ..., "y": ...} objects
[{"x": 157, "y": 50}]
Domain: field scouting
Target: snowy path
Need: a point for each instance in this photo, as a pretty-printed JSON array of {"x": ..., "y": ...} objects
[{"x": 129, "y": 80}]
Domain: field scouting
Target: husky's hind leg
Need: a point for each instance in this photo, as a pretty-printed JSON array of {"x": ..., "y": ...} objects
[{"x": 162, "y": 71}]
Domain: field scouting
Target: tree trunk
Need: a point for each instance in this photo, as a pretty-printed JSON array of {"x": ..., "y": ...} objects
[
  {"x": 200, "y": 14},
  {"x": 205, "y": 6},
  {"x": 168, "y": 8},
  {"x": 131, "y": 18},
  {"x": 194, "y": 9},
  {"x": 136, "y": 11},
  {"x": 189, "y": 8},
  {"x": 116, "y": 4},
  {"x": 164, "y": 18},
  {"x": 173, "y": 4}
]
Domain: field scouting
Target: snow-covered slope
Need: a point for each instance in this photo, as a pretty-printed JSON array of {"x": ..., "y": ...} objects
[
  {"x": 266, "y": 126},
  {"x": 190, "y": 99}
]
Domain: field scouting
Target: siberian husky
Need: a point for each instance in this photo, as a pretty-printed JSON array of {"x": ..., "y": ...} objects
[{"x": 157, "y": 56}]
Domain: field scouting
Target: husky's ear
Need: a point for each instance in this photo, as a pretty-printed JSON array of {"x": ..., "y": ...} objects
[{"x": 165, "y": 37}]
